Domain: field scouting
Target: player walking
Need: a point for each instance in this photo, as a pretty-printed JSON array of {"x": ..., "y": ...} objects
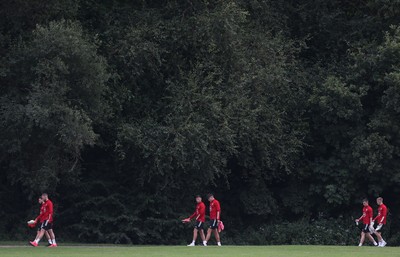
[
  {"x": 366, "y": 218},
  {"x": 381, "y": 220},
  {"x": 215, "y": 214},
  {"x": 46, "y": 222},
  {"x": 38, "y": 220},
  {"x": 200, "y": 216}
]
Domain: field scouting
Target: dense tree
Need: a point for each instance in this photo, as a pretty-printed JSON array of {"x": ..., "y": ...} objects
[
  {"x": 52, "y": 96},
  {"x": 287, "y": 110}
]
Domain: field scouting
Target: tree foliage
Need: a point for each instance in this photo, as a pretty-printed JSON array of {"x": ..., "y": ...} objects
[
  {"x": 123, "y": 111},
  {"x": 52, "y": 95}
]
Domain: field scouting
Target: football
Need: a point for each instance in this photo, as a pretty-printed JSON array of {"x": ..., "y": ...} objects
[{"x": 31, "y": 222}]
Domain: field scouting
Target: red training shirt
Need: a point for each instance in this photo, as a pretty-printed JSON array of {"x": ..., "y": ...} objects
[
  {"x": 41, "y": 218},
  {"x": 367, "y": 214},
  {"x": 48, "y": 213},
  {"x": 214, "y": 208},
  {"x": 200, "y": 212},
  {"x": 382, "y": 213}
]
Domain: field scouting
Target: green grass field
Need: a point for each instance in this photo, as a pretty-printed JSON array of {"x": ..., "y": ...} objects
[{"x": 211, "y": 251}]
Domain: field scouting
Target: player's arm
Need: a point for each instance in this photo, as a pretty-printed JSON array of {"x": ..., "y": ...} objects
[
  {"x": 49, "y": 213},
  {"x": 370, "y": 215},
  {"x": 218, "y": 208},
  {"x": 38, "y": 218},
  {"x": 190, "y": 217},
  {"x": 195, "y": 214},
  {"x": 202, "y": 210},
  {"x": 377, "y": 217},
  {"x": 371, "y": 222},
  {"x": 362, "y": 216},
  {"x": 384, "y": 214}
]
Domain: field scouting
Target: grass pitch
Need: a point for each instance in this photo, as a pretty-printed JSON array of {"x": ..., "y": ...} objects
[{"x": 210, "y": 251}]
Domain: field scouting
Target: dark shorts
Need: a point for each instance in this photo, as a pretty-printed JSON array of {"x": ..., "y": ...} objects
[
  {"x": 213, "y": 224},
  {"x": 46, "y": 226},
  {"x": 199, "y": 225},
  {"x": 382, "y": 229},
  {"x": 365, "y": 228}
]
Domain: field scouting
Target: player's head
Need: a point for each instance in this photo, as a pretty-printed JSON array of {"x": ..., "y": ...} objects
[
  {"x": 379, "y": 200},
  {"x": 198, "y": 198},
  {"x": 210, "y": 197},
  {"x": 365, "y": 202},
  {"x": 45, "y": 197},
  {"x": 40, "y": 200}
]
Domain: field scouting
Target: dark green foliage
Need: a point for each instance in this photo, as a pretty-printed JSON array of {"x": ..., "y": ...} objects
[
  {"x": 124, "y": 110},
  {"x": 320, "y": 232},
  {"x": 52, "y": 95}
]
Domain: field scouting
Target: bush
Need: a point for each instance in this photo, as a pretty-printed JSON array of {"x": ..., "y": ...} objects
[{"x": 316, "y": 232}]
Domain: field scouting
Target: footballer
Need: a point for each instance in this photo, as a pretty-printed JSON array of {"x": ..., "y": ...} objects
[
  {"x": 366, "y": 219},
  {"x": 215, "y": 215},
  {"x": 200, "y": 216},
  {"x": 381, "y": 220},
  {"x": 46, "y": 222}
]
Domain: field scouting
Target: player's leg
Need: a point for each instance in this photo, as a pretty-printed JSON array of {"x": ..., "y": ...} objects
[
  {"x": 37, "y": 234},
  {"x": 362, "y": 238},
  {"x": 203, "y": 237},
  {"x": 368, "y": 234},
  {"x": 378, "y": 233},
  {"x": 213, "y": 225},
  {"x": 371, "y": 232},
  {"x": 193, "y": 243},
  {"x": 209, "y": 230},
  {"x": 195, "y": 234},
  {"x": 38, "y": 237},
  {"x": 46, "y": 233},
  {"x": 52, "y": 236},
  {"x": 217, "y": 238},
  {"x": 199, "y": 227},
  {"x": 370, "y": 238},
  {"x": 39, "y": 227},
  {"x": 45, "y": 228},
  {"x": 41, "y": 234},
  {"x": 379, "y": 236}
]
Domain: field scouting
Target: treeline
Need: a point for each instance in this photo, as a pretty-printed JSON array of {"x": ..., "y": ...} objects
[{"x": 289, "y": 111}]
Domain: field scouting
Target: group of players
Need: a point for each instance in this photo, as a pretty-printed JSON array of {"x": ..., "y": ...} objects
[
  {"x": 215, "y": 224},
  {"x": 368, "y": 229},
  {"x": 44, "y": 222}
]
